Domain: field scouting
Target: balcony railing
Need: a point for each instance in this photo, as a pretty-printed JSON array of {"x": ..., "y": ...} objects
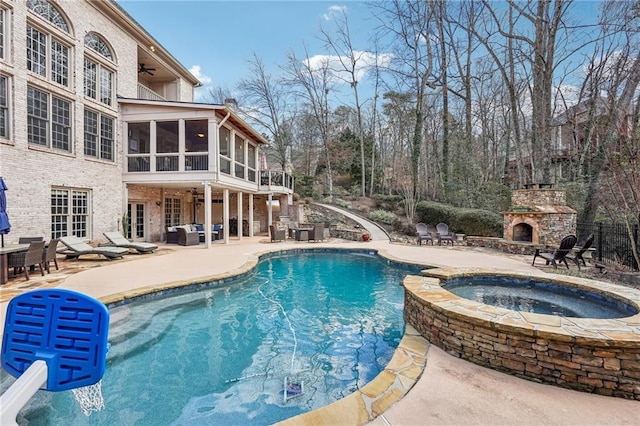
[
  {"x": 271, "y": 178},
  {"x": 274, "y": 180},
  {"x": 167, "y": 162},
  {"x": 145, "y": 93},
  {"x": 196, "y": 162}
]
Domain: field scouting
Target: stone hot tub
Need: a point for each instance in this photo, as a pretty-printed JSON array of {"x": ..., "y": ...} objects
[{"x": 593, "y": 355}]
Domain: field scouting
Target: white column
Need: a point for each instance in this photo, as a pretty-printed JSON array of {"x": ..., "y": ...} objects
[
  {"x": 251, "y": 215},
  {"x": 225, "y": 214},
  {"x": 240, "y": 215},
  {"x": 207, "y": 215},
  {"x": 269, "y": 210},
  {"x": 181, "y": 145}
]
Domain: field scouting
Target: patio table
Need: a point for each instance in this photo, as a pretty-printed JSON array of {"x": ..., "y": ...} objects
[
  {"x": 4, "y": 259},
  {"x": 302, "y": 233}
]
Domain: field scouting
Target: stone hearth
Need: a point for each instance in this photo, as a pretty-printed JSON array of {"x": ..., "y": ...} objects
[{"x": 539, "y": 216}]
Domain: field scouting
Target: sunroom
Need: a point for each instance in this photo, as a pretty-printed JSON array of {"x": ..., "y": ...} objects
[{"x": 191, "y": 163}]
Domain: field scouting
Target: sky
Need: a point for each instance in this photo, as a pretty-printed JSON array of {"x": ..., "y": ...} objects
[{"x": 215, "y": 39}]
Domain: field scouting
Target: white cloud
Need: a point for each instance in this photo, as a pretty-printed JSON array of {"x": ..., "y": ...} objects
[
  {"x": 333, "y": 10},
  {"x": 364, "y": 62},
  {"x": 197, "y": 73},
  {"x": 201, "y": 91}
]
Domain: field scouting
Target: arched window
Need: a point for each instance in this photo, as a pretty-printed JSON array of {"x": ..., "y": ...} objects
[
  {"x": 49, "y": 12},
  {"x": 47, "y": 54},
  {"x": 98, "y": 76},
  {"x": 98, "y": 85},
  {"x": 95, "y": 42}
]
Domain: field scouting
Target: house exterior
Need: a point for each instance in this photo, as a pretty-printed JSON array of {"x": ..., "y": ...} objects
[
  {"x": 580, "y": 131},
  {"x": 99, "y": 128}
]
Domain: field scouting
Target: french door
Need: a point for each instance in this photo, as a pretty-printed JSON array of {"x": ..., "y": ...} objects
[{"x": 137, "y": 213}]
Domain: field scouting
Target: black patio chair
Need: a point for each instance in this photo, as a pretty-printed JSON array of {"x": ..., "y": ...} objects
[
  {"x": 558, "y": 255},
  {"x": 577, "y": 257}
]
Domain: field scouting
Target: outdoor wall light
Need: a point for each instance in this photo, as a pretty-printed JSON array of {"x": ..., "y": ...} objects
[{"x": 158, "y": 203}]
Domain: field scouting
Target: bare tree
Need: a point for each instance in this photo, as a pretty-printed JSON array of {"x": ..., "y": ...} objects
[
  {"x": 352, "y": 63},
  {"x": 411, "y": 25},
  {"x": 266, "y": 102},
  {"x": 314, "y": 82}
]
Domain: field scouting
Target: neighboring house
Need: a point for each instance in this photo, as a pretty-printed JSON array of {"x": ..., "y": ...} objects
[
  {"x": 579, "y": 132},
  {"x": 98, "y": 121}
]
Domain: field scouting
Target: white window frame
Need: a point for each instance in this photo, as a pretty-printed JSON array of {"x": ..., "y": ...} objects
[
  {"x": 51, "y": 59},
  {"x": 172, "y": 212},
  {"x": 3, "y": 33},
  {"x": 102, "y": 136},
  {"x": 70, "y": 212},
  {"x": 5, "y": 112},
  {"x": 52, "y": 126},
  {"x": 226, "y": 159},
  {"x": 100, "y": 87}
]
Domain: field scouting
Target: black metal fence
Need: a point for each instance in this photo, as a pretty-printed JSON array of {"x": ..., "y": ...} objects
[{"x": 612, "y": 242}]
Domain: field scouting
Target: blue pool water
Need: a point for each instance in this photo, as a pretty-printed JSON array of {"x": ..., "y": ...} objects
[
  {"x": 221, "y": 355},
  {"x": 541, "y": 297}
]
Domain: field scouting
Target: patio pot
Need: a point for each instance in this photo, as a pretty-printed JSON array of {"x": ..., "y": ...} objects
[{"x": 366, "y": 237}]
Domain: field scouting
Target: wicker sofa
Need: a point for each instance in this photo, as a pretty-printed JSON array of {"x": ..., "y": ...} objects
[{"x": 184, "y": 235}]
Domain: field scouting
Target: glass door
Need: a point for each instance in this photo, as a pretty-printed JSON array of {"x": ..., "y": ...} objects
[{"x": 137, "y": 220}]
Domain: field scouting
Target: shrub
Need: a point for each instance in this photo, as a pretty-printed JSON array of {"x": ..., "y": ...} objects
[
  {"x": 467, "y": 221},
  {"x": 383, "y": 216},
  {"x": 481, "y": 223},
  {"x": 342, "y": 203},
  {"x": 433, "y": 212},
  {"x": 387, "y": 202}
]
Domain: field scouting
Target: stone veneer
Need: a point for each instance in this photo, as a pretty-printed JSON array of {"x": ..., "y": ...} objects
[
  {"x": 593, "y": 355},
  {"x": 545, "y": 211}
]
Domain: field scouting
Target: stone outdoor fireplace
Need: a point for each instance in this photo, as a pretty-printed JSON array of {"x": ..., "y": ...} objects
[{"x": 539, "y": 215}]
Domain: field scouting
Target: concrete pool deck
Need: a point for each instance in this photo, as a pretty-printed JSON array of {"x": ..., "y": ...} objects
[{"x": 449, "y": 391}]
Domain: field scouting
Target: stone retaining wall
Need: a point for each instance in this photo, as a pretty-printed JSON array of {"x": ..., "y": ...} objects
[
  {"x": 598, "y": 356},
  {"x": 347, "y": 234}
]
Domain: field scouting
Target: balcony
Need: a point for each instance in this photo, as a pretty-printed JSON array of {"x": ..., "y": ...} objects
[
  {"x": 276, "y": 181},
  {"x": 145, "y": 93},
  {"x": 167, "y": 162}
]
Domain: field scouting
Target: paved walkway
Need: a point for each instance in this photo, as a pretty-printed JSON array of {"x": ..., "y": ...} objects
[
  {"x": 377, "y": 233},
  {"x": 449, "y": 392}
]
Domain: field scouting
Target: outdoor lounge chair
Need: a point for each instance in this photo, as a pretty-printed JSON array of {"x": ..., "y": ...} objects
[
  {"x": 75, "y": 248},
  {"x": 444, "y": 234},
  {"x": 118, "y": 240},
  {"x": 423, "y": 234},
  {"x": 577, "y": 258},
  {"x": 559, "y": 255}
]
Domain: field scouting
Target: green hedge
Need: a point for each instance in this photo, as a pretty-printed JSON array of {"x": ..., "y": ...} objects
[{"x": 482, "y": 223}]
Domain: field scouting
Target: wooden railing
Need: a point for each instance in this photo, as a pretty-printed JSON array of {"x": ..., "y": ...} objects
[{"x": 145, "y": 93}]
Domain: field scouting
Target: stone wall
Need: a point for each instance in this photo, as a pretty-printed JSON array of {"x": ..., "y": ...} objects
[
  {"x": 585, "y": 360},
  {"x": 538, "y": 197}
]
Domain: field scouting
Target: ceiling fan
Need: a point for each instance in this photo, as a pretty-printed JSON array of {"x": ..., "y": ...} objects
[{"x": 144, "y": 69}]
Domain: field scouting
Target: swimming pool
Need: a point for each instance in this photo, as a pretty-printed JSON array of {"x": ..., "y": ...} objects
[{"x": 220, "y": 355}]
